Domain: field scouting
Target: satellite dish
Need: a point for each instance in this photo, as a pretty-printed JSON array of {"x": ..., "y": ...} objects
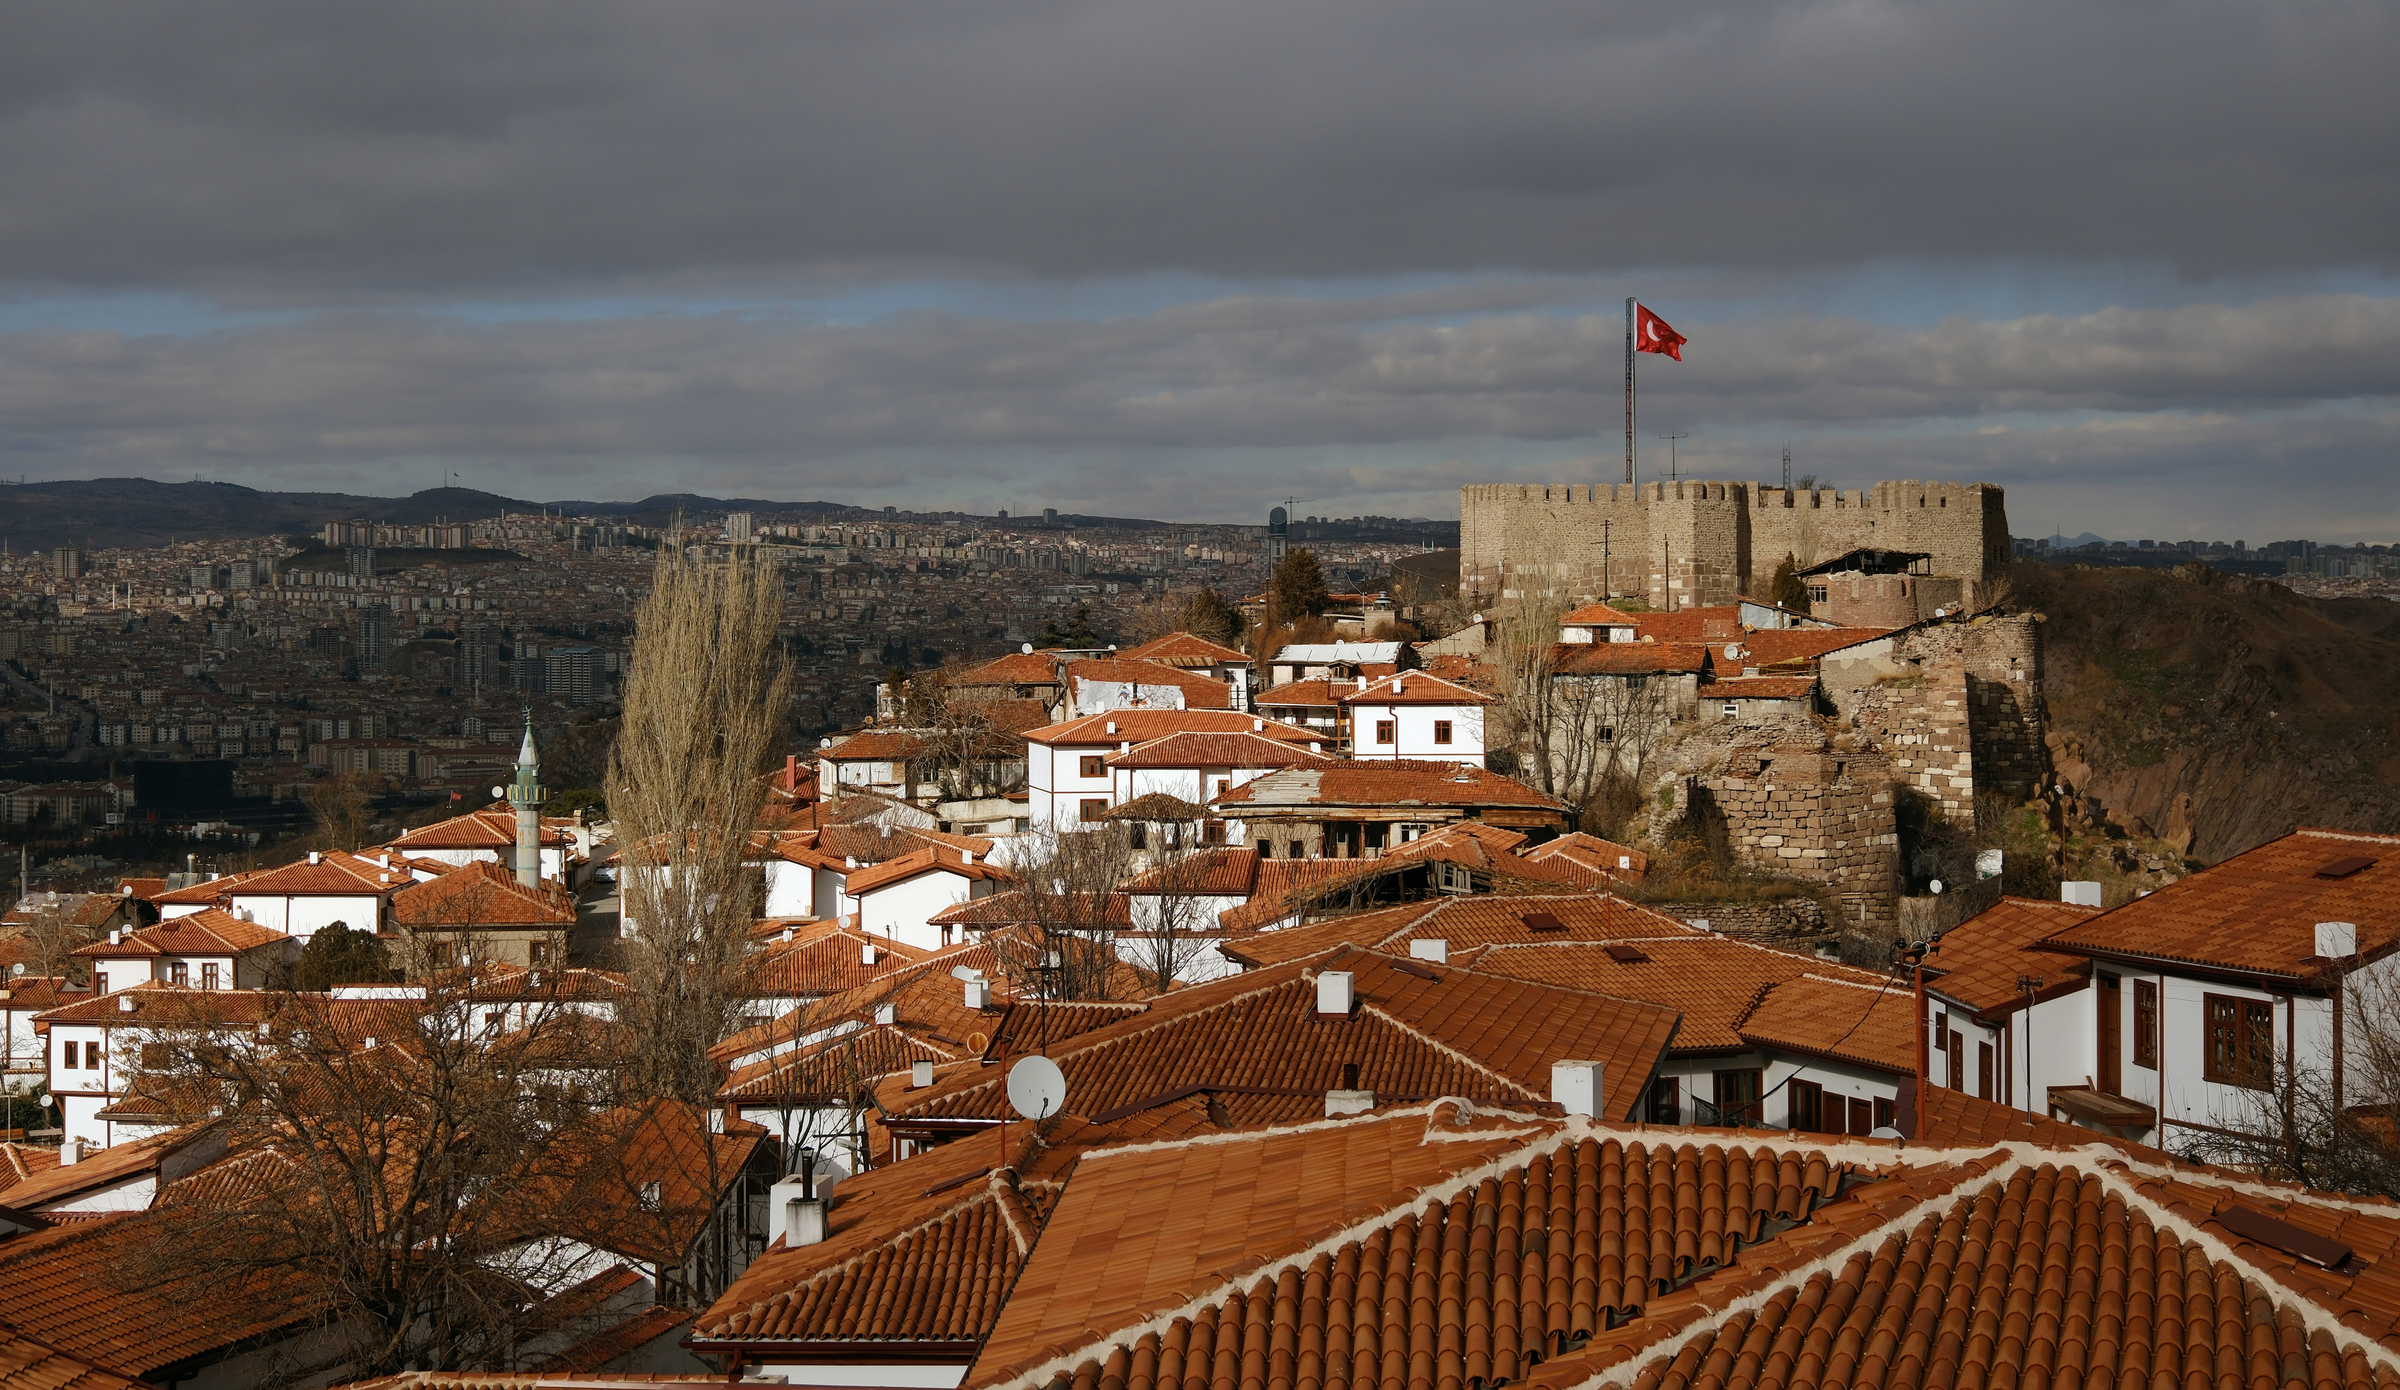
[
  {"x": 498, "y": 792},
  {"x": 1476, "y": 619},
  {"x": 1036, "y": 1087},
  {"x": 1733, "y": 651},
  {"x": 1936, "y": 886},
  {"x": 1885, "y": 1132},
  {"x": 1027, "y": 649}
]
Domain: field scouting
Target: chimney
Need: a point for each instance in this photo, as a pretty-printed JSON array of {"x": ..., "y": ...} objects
[
  {"x": 313, "y": 857},
  {"x": 920, "y": 1075},
  {"x": 1576, "y": 1086},
  {"x": 1112, "y": 726},
  {"x": 70, "y": 1152},
  {"x": 787, "y": 934},
  {"x": 2337, "y": 939},
  {"x": 791, "y": 772},
  {"x": 1348, "y": 1099},
  {"x": 1258, "y": 726},
  {"x": 886, "y": 1013},
  {"x": 1362, "y": 681},
  {"x": 124, "y": 1003},
  {"x": 2082, "y": 892},
  {"x": 979, "y": 994},
  {"x": 1333, "y": 994},
  {"x": 115, "y": 936},
  {"x": 866, "y": 953},
  {"x": 966, "y": 856},
  {"x": 1436, "y": 950}
]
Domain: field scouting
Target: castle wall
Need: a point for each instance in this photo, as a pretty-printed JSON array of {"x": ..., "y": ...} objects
[
  {"x": 1702, "y": 542},
  {"x": 1819, "y": 815}
]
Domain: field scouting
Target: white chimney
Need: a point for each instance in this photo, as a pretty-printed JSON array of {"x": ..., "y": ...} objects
[
  {"x": 797, "y": 1204},
  {"x": 1257, "y": 726},
  {"x": 124, "y": 1003},
  {"x": 2337, "y": 939},
  {"x": 114, "y": 935},
  {"x": 866, "y": 953},
  {"x": 886, "y": 1013},
  {"x": 1436, "y": 950},
  {"x": 70, "y": 1152},
  {"x": 979, "y": 994},
  {"x": 1111, "y": 726},
  {"x": 787, "y": 934},
  {"x": 1333, "y": 993},
  {"x": 1625, "y": 861},
  {"x": 2081, "y": 892},
  {"x": 1362, "y": 681},
  {"x": 966, "y": 856},
  {"x": 920, "y": 1075},
  {"x": 1576, "y": 1086},
  {"x": 312, "y": 857}
]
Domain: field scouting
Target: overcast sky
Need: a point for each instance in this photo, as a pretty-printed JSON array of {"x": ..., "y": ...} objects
[{"x": 2138, "y": 262}]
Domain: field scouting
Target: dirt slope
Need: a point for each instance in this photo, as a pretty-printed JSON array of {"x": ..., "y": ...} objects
[{"x": 2265, "y": 709}]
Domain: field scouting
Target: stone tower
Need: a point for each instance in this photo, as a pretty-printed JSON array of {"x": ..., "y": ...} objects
[{"x": 525, "y": 793}]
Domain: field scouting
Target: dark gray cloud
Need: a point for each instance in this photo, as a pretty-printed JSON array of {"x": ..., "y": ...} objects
[
  {"x": 311, "y": 150},
  {"x": 1159, "y": 412}
]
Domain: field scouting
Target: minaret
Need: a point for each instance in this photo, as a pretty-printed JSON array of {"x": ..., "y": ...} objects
[{"x": 525, "y": 794}]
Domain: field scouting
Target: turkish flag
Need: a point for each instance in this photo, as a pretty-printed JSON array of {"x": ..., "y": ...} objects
[{"x": 1651, "y": 334}]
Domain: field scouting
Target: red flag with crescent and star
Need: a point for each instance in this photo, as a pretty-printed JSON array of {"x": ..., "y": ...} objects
[{"x": 1651, "y": 334}]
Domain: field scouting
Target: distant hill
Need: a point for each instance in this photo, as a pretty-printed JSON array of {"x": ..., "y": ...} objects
[
  {"x": 140, "y": 512},
  {"x": 2264, "y": 708}
]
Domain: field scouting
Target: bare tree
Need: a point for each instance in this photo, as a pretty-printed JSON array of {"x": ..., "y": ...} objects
[
  {"x": 704, "y": 708},
  {"x": 1071, "y": 910},
  {"x": 366, "y": 1141},
  {"x": 2309, "y": 1122},
  {"x": 343, "y": 805},
  {"x": 966, "y": 752},
  {"x": 1171, "y": 924}
]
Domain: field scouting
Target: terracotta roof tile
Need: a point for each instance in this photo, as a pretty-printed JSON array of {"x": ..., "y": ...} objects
[
  {"x": 492, "y": 828},
  {"x": 873, "y": 746},
  {"x": 1416, "y": 688},
  {"x": 482, "y": 894},
  {"x": 1199, "y": 692},
  {"x": 1379, "y": 784},
  {"x": 1867, "y": 1021},
  {"x": 1629, "y": 658},
  {"x": 1482, "y": 919},
  {"x": 1143, "y": 725},
  {"x": 1714, "y": 981},
  {"x": 1979, "y": 961},
  {"x": 1182, "y": 648},
  {"x": 931, "y": 859},
  {"x": 1235, "y": 750},
  {"x": 1312, "y": 694},
  {"x": 2256, "y": 913}
]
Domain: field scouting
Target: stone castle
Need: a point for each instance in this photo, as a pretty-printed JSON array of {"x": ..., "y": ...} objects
[{"x": 1694, "y": 544}]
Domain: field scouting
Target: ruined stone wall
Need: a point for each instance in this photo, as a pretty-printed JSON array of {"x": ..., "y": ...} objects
[
  {"x": 1826, "y": 816},
  {"x": 2003, "y": 659},
  {"x": 1703, "y": 542},
  {"x": 1957, "y": 706}
]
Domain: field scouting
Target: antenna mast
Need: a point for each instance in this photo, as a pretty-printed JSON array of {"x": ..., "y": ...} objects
[{"x": 1787, "y": 467}]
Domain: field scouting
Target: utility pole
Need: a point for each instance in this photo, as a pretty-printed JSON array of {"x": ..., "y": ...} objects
[{"x": 1671, "y": 438}]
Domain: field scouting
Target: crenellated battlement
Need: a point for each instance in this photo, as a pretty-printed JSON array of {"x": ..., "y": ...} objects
[{"x": 1696, "y": 541}]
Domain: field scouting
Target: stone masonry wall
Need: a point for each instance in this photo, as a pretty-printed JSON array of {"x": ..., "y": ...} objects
[
  {"x": 1690, "y": 543},
  {"x": 1826, "y": 816}
]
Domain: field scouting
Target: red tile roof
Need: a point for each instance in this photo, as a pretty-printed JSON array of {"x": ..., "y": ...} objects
[
  {"x": 1382, "y": 785},
  {"x": 1221, "y": 872},
  {"x": 1016, "y": 668},
  {"x": 822, "y": 958},
  {"x": 1838, "y": 1015},
  {"x": 1199, "y": 692},
  {"x": 929, "y": 860},
  {"x": 1979, "y": 961},
  {"x": 2255, "y": 915},
  {"x": 1325, "y": 694},
  {"x": 1482, "y": 919},
  {"x": 1184, "y": 649},
  {"x": 1239, "y": 750},
  {"x": 873, "y": 746},
  {"x": 1594, "y": 853},
  {"x": 1600, "y": 615},
  {"x": 492, "y": 828},
  {"x": 1629, "y": 658},
  {"x": 1416, "y": 688},
  {"x": 27, "y": 1363},
  {"x": 1417, "y": 1031},
  {"x": 1143, "y": 725},
  {"x": 337, "y": 873},
  {"x": 209, "y": 931},
  {"x": 482, "y": 894},
  {"x": 1714, "y": 981}
]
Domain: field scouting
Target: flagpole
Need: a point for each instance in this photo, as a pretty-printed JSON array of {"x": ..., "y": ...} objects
[{"x": 1629, "y": 389}]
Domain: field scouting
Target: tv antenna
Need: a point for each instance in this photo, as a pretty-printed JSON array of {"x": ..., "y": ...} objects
[
  {"x": 1671, "y": 438},
  {"x": 1036, "y": 1087},
  {"x": 1787, "y": 467}
]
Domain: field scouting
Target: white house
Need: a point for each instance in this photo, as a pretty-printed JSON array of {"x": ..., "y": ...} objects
[
  {"x": 1197, "y": 767},
  {"x": 24, "y": 1055},
  {"x": 2005, "y": 1020},
  {"x": 1597, "y": 622},
  {"x": 800, "y": 879},
  {"x": 491, "y": 835},
  {"x": 1300, "y": 661},
  {"x": 2204, "y": 991},
  {"x": 1413, "y": 715},
  {"x": 899, "y": 897},
  {"x": 95, "y": 1048},
  {"x": 208, "y": 949},
  {"x": 871, "y": 761},
  {"x": 1097, "y": 687},
  {"x": 301, "y": 897},
  {"x": 1069, "y": 783}
]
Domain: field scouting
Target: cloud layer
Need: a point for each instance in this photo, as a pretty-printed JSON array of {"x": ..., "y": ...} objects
[
  {"x": 1382, "y": 410},
  {"x": 288, "y": 148}
]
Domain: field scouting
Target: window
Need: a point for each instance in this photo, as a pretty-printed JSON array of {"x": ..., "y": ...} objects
[
  {"x": 91, "y": 1056},
  {"x": 538, "y": 952},
  {"x": 1212, "y": 832},
  {"x": 1732, "y": 710},
  {"x": 1983, "y": 1071},
  {"x": 1958, "y": 1062},
  {"x": 179, "y": 973},
  {"x": 1266, "y": 849},
  {"x": 1886, "y": 1111},
  {"x": 1816, "y": 593},
  {"x": 1665, "y": 1102},
  {"x": 209, "y": 979},
  {"x": 1804, "y": 1107},
  {"x": 1941, "y": 1031},
  {"x": 99, "y": 983},
  {"x": 1737, "y": 1096},
  {"x": 2241, "y": 1040},
  {"x": 69, "y": 1063},
  {"x": 1137, "y": 836},
  {"x": 1094, "y": 807},
  {"x": 1441, "y": 731},
  {"x": 1092, "y": 766},
  {"x": 1607, "y": 736},
  {"x": 1385, "y": 730},
  {"x": 2145, "y": 1024},
  {"x": 653, "y": 1196}
]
